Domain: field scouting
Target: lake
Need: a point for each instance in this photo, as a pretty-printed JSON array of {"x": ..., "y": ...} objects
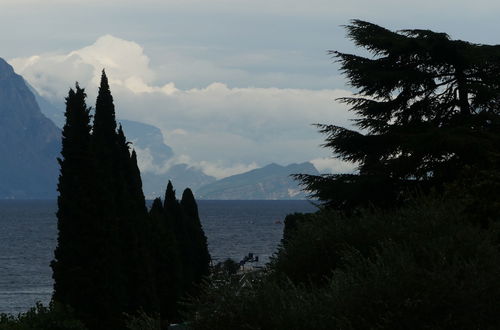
[{"x": 28, "y": 235}]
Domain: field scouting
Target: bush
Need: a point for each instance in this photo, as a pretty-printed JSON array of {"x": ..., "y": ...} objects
[
  {"x": 143, "y": 321},
  {"x": 426, "y": 266},
  {"x": 53, "y": 317},
  {"x": 227, "y": 267}
]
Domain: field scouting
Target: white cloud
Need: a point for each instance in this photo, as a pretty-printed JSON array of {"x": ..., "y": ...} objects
[
  {"x": 217, "y": 169},
  {"x": 52, "y": 74},
  {"x": 145, "y": 160},
  {"x": 332, "y": 165},
  {"x": 223, "y": 130},
  {"x": 219, "y": 172}
]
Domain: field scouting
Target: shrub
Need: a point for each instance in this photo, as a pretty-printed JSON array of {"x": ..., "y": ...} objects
[
  {"x": 426, "y": 266},
  {"x": 40, "y": 317}
]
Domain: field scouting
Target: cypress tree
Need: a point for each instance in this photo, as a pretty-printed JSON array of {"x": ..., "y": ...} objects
[
  {"x": 112, "y": 242},
  {"x": 73, "y": 257},
  {"x": 198, "y": 248},
  {"x": 134, "y": 230},
  {"x": 167, "y": 264},
  {"x": 191, "y": 258},
  {"x": 122, "y": 279},
  {"x": 173, "y": 215},
  {"x": 171, "y": 204},
  {"x": 104, "y": 128},
  {"x": 112, "y": 256}
]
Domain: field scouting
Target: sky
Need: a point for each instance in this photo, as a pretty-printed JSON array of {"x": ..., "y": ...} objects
[{"x": 232, "y": 84}]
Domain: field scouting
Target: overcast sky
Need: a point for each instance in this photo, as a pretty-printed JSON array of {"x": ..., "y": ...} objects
[{"x": 232, "y": 84}]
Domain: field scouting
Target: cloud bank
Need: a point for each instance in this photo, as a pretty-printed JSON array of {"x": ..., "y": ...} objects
[{"x": 220, "y": 129}]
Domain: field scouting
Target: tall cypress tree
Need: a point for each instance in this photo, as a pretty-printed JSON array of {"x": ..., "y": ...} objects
[
  {"x": 199, "y": 257},
  {"x": 122, "y": 280},
  {"x": 134, "y": 230},
  {"x": 75, "y": 251},
  {"x": 167, "y": 263},
  {"x": 114, "y": 281},
  {"x": 104, "y": 127},
  {"x": 112, "y": 256},
  {"x": 173, "y": 215},
  {"x": 190, "y": 243}
]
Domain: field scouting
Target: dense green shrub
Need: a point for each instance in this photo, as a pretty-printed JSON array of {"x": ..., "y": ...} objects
[
  {"x": 53, "y": 317},
  {"x": 143, "y": 321},
  {"x": 227, "y": 267},
  {"x": 426, "y": 266},
  {"x": 324, "y": 236}
]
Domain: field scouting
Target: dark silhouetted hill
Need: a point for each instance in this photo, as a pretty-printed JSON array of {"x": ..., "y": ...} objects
[{"x": 30, "y": 142}]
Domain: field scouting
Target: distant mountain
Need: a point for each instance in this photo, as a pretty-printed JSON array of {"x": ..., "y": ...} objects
[
  {"x": 182, "y": 177},
  {"x": 270, "y": 182},
  {"x": 154, "y": 157},
  {"x": 51, "y": 111},
  {"x": 148, "y": 142},
  {"x": 150, "y": 138},
  {"x": 152, "y": 152},
  {"x": 30, "y": 142}
]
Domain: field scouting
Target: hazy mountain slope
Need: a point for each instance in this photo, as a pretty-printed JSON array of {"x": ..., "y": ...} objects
[
  {"x": 51, "y": 111},
  {"x": 182, "y": 177},
  {"x": 30, "y": 142},
  {"x": 155, "y": 160},
  {"x": 154, "y": 156},
  {"x": 270, "y": 182},
  {"x": 149, "y": 139}
]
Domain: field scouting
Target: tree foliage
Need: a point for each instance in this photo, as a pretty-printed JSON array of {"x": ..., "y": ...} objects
[
  {"x": 75, "y": 251},
  {"x": 426, "y": 106},
  {"x": 422, "y": 266},
  {"x": 113, "y": 256},
  {"x": 183, "y": 249}
]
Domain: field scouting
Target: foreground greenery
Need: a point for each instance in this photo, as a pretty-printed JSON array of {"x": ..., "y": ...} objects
[
  {"x": 410, "y": 241},
  {"x": 425, "y": 266},
  {"x": 40, "y": 317}
]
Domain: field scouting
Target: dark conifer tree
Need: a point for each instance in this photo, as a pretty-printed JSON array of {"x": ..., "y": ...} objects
[
  {"x": 133, "y": 229},
  {"x": 114, "y": 298},
  {"x": 73, "y": 257},
  {"x": 195, "y": 237},
  {"x": 112, "y": 256},
  {"x": 173, "y": 215},
  {"x": 427, "y": 107},
  {"x": 167, "y": 263},
  {"x": 104, "y": 129},
  {"x": 171, "y": 204},
  {"x": 183, "y": 221},
  {"x": 122, "y": 256}
]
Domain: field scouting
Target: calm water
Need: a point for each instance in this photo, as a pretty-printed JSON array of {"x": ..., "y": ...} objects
[{"x": 28, "y": 234}]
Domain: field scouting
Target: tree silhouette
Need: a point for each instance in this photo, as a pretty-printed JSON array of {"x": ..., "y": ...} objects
[
  {"x": 113, "y": 257},
  {"x": 427, "y": 106},
  {"x": 75, "y": 252},
  {"x": 198, "y": 254}
]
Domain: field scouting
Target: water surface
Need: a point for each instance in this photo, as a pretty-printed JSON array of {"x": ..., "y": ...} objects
[{"x": 28, "y": 236}]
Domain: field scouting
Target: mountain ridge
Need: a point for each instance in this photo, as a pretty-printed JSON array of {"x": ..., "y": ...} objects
[
  {"x": 272, "y": 181},
  {"x": 269, "y": 182},
  {"x": 30, "y": 141}
]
